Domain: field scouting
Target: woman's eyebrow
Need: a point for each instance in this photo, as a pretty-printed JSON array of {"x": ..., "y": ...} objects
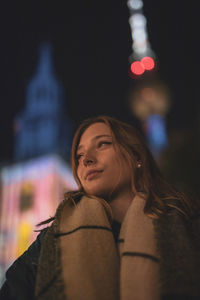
[{"x": 96, "y": 138}]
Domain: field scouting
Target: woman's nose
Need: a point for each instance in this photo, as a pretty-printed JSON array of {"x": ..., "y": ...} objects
[{"x": 89, "y": 160}]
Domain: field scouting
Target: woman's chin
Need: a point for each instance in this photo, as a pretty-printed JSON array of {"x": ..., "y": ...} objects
[{"x": 98, "y": 193}]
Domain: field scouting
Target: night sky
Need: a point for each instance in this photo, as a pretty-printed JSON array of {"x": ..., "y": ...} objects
[{"x": 91, "y": 44}]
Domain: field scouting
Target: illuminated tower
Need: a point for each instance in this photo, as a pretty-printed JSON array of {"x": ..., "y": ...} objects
[
  {"x": 150, "y": 97},
  {"x": 43, "y": 127}
]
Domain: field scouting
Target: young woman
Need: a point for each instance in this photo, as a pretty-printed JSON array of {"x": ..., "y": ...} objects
[{"x": 124, "y": 234}]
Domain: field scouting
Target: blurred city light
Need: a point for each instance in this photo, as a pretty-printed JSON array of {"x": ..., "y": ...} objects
[
  {"x": 150, "y": 102},
  {"x": 137, "y": 68},
  {"x": 156, "y": 134},
  {"x": 135, "y": 4},
  {"x": 148, "y": 63},
  {"x": 137, "y": 20}
]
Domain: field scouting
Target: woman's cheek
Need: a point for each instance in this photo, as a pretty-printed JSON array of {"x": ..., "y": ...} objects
[{"x": 79, "y": 175}]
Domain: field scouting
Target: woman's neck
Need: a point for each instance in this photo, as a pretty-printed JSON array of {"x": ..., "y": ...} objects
[{"x": 120, "y": 205}]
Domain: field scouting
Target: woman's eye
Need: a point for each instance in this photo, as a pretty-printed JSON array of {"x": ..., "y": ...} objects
[
  {"x": 104, "y": 143},
  {"x": 78, "y": 156}
]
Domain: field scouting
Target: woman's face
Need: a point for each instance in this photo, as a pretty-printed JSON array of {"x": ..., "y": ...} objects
[{"x": 100, "y": 168}]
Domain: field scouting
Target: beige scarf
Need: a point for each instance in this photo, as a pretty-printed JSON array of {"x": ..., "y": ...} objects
[{"x": 86, "y": 264}]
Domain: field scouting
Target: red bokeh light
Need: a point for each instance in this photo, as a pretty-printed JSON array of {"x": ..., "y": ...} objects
[
  {"x": 137, "y": 68},
  {"x": 148, "y": 63}
]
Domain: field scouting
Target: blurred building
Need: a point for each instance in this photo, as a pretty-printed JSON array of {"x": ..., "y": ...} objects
[
  {"x": 43, "y": 126},
  {"x": 32, "y": 188},
  {"x": 150, "y": 102}
]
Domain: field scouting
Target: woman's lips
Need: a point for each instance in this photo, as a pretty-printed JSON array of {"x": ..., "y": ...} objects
[{"x": 93, "y": 175}]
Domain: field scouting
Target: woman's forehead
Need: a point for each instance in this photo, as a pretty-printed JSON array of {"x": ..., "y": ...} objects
[{"x": 93, "y": 131}]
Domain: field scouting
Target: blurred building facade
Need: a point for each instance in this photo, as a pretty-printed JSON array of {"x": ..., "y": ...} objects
[{"x": 32, "y": 188}]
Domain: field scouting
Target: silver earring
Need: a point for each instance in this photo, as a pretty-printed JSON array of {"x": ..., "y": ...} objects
[{"x": 139, "y": 165}]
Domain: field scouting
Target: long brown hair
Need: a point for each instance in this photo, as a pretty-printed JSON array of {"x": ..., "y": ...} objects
[{"x": 159, "y": 194}]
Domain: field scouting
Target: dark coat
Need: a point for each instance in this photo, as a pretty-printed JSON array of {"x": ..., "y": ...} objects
[{"x": 21, "y": 276}]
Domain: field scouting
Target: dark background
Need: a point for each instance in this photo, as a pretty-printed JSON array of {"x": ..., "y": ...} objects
[{"x": 92, "y": 42}]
